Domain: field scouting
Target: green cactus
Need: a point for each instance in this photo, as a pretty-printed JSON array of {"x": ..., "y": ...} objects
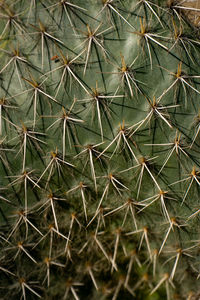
[{"x": 99, "y": 158}]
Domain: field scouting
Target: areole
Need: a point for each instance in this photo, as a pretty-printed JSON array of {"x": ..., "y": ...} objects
[{"x": 191, "y": 9}]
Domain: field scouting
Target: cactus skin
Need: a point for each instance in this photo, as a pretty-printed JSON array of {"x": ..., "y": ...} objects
[{"x": 99, "y": 150}]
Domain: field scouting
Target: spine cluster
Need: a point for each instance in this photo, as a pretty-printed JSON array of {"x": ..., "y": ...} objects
[{"x": 99, "y": 149}]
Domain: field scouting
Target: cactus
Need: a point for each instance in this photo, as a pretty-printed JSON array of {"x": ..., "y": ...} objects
[{"x": 99, "y": 158}]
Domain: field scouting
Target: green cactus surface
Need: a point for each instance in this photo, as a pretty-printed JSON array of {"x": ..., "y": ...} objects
[{"x": 99, "y": 149}]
